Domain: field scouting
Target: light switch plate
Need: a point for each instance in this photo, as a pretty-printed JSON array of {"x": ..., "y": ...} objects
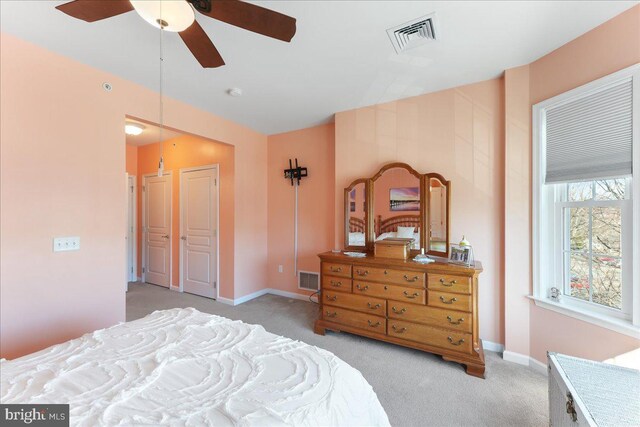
[{"x": 63, "y": 244}]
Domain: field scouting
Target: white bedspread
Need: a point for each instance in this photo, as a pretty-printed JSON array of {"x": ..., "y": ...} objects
[{"x": 184, "y": 367}]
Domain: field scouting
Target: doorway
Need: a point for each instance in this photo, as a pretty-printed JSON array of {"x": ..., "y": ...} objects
[
  {"x": 156, "y": 228},
  {"x": 199, "y": 230},
  {"x": 132, "y": 244}
]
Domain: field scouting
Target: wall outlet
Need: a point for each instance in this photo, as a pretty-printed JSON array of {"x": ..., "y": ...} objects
[
  {"x": 63, "y": 244},
  {"x": 280, "y": 269}
]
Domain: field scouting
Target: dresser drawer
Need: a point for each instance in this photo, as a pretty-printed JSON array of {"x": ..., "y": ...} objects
[
  {"x": 451, "y": 340},
  {"x": 450, "y": 301},
  {"x": 353, "y": 318},
  {"x": 449, "y": 283},
  {"x": 397, "y": 277},
  {"x": 432, "y": 316},
  {"x": 366, "y": 304},
  {"x": 380, "y": 290},
  {"x": 335, "y": 269},
  {"x": 336, "y": 283}
]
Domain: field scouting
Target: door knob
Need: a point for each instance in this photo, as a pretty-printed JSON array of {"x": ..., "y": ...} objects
[{"x": 184, "y": 237}]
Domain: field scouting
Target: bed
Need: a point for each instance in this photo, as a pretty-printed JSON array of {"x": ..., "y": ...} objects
[
  {"x": 184, "y": 367},
  {"x": 388, "y": 228}
]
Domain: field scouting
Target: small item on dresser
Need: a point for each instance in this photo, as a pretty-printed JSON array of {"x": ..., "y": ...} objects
[
  {"x": 461, "y": 254},
  {"x": 336, "y": 251},
  {"x": 423, "y": 259},
  {"x": 397, "y": 248},
  {"x": 356, "y": 254}
]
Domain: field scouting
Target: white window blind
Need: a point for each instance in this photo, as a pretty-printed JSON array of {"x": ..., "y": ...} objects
[{"x": 590, "y": 137}]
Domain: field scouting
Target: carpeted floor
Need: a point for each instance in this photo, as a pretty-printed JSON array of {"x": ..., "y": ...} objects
[{"x": 415, "y": 388}]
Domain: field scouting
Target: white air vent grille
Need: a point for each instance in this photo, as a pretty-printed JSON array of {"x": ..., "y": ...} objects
[
  {"x": 413, "y": 34},
  {"x": 308, "y": 280}
]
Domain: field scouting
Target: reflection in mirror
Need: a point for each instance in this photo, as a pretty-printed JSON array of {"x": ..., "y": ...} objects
[
  {"x": 437, "y": 216},
  {"x": 356, "y": 210},
  {"x": 397, "y": 206}
]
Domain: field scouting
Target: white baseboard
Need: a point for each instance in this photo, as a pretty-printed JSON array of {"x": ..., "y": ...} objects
[
  {"x": 261, "y": 292},
  {"x": 523, "y": 359},
  {"x": 492, "y": 346},
  {"x": 227, "y": 301},
  {"x": 288, "y": 294}
]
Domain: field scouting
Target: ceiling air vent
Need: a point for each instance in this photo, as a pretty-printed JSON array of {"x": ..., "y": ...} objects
[{"x": 413, "y": 34}]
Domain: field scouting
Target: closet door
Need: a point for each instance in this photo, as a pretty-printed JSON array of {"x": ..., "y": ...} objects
[
  {"x": 157, "y": 231},
  {"x": 199, "y": 219}
]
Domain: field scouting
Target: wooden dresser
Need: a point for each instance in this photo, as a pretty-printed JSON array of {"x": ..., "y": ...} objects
[{"x": 430, "y": 307}]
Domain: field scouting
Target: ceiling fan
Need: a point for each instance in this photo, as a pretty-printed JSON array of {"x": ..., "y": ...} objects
[{"x": 178, "y": 16}]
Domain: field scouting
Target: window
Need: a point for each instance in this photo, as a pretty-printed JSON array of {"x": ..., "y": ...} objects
[
  {"x": 587, "y": 202},
  {"x": 593, "y": 242}
]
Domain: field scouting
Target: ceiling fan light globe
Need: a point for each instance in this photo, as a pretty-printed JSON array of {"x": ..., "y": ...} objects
[{"x": 177, "y": 14}]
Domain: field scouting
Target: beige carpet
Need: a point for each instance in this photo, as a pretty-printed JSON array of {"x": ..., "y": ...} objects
[{"x": 415, "y": 388}]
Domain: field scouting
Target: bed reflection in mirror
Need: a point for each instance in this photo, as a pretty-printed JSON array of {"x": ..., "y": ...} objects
[
  {"x": 437, "y": 215},
  {"x": 396, "y": 205},
  {"x": 356, "y": 208}
]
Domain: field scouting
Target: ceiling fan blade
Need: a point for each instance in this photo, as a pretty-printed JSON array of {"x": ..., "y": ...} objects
[
  {"x": 201, "y": 46},
  {"x": 95, "y": 10},
  {"x": 253, "y": 18}
]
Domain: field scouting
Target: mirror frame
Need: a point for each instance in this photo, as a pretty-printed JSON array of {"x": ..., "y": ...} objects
[
  {"x": 420, "y": 178},
  {"x": 447, "y": 185},
  {"x": 367, "y": 215},
  {"x": 425, "y": 231}
]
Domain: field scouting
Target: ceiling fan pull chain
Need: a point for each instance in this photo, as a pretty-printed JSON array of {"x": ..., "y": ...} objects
[{"x": 161, "y": 142}]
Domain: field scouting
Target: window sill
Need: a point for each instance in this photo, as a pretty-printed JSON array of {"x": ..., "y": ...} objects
[{"x": 617, "y": 325}]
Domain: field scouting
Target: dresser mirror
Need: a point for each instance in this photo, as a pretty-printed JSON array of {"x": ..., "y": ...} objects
[
  {"x": 438, "y": 193},
  {"x": 355, "y": 203},
  {"x": 397, "y": 205},
  {"x": 398, "y": 202}
]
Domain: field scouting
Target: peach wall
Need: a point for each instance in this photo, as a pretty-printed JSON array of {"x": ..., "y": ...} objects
[
  {"x": 131, "y": 159},
  {"x": 605, "y": 49},
  {"x": 458, "y": 133},
  {"x": 314, "y": 148},
  {"x": 84, "y": 194},
  {"x": 185, "y": 152},
  {"x": 517, "y": 214}
]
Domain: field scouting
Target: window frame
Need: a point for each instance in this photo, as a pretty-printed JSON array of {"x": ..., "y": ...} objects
[{"x": 547, "y": 223}]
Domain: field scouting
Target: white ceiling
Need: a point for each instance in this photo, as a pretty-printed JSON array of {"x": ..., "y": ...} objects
[
  {"x": 340, "y": 58},
  {"x": 150, "y": 134}
]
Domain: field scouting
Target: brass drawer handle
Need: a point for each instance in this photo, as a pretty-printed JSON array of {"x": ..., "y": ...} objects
[
  {"x": 335, "y": 270},
  {"x": 386, "y": 272},
  {"x": 410, "y": 280},
  {"x": 460, "y": 341},
  {"x": 329, "y": 314},
  {"x": 412, "y": 296},
  {"x": 362, "y": 273},
  {"x": 451, "y": 301},
  {"x": 335, "y": 297},
  {"x": 457, "y": 322},
  {"x": 395, "y": 310},
  {"x": 362, "y": 289},
  {"x": 448, "y": 285},
  {"x": 373, "y": 325},
  {"x": 336, "y": 284},
  {"x": 373, "y": 307},
  {"x": 398, "y": 330}
]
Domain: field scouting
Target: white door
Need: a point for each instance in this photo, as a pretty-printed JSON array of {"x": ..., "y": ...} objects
[
  {"x": 131, "y": 234},
  {"x": 157, "y": 239},
  {"x": 199, "y": 219}
]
